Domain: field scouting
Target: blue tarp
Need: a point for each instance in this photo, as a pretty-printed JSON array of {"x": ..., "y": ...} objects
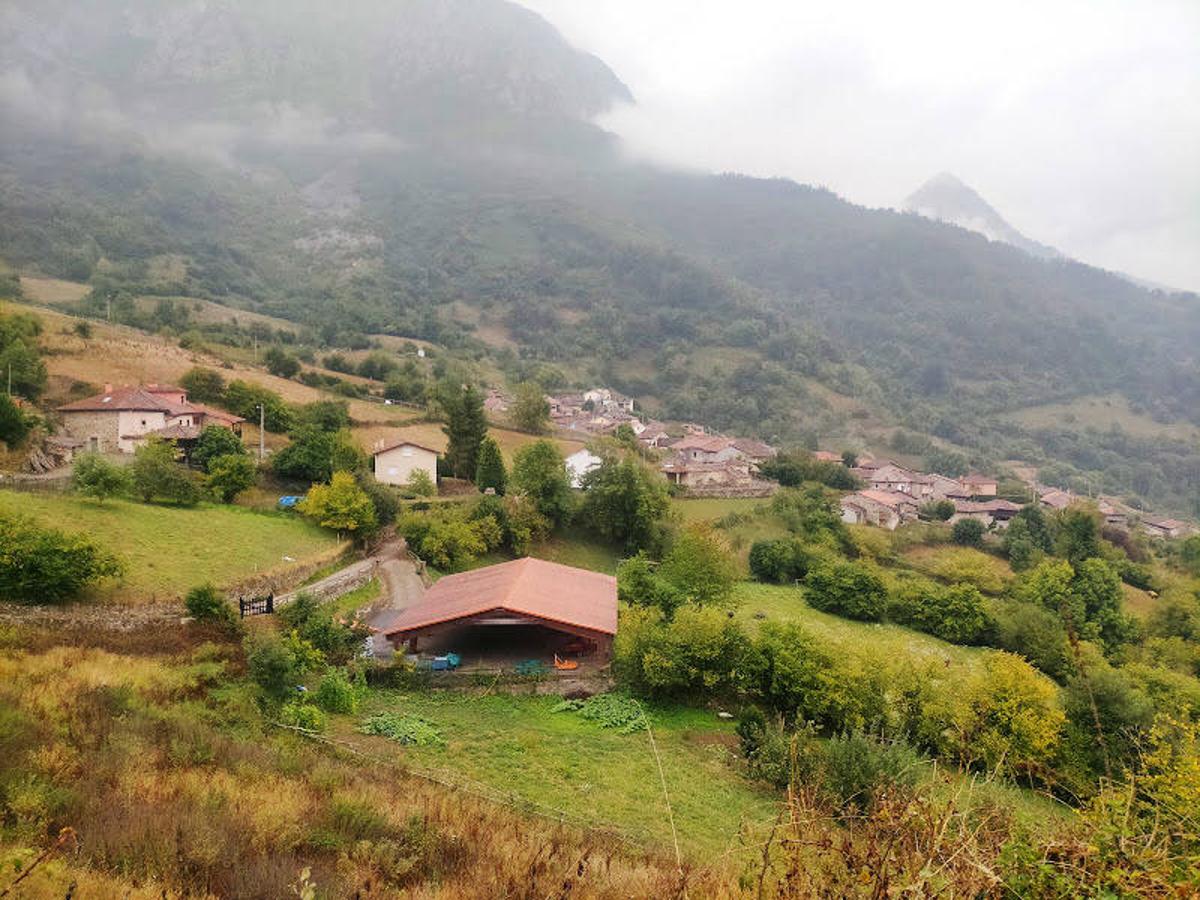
[{"x": 289, "y": 501}]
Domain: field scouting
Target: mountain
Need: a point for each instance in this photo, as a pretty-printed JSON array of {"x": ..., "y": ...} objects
[
  {"x": 430, "y": 168},
  {"x": 946, "y": 199}
]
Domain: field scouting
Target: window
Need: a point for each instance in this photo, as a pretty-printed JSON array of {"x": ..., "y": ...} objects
[{"x": 406, "y": 451}]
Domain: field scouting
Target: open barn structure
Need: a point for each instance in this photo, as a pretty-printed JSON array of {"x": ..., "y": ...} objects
[{"x": 526, "y": 607}]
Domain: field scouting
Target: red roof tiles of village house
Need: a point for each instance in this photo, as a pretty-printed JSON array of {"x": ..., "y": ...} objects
[
  {"x": 977, "y": 479},
  {"x": 210, "y": 412},
  {"x": 753, "y": 448},
  {"x": 827, "y": 456},
  {"x": 707, "y": 443},
  {"x": 533, "y": 587},
  {"x": 986, "y": 506},
  {"x": 890, "y": 499},
  {"x": 128, "y": 399}
]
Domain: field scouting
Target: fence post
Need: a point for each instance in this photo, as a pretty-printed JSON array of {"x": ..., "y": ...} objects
[
  {"x": 271, "y": 602},
  {"x": 242, "y": 607}
]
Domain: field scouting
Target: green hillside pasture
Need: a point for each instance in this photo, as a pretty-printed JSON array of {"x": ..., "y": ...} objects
[
  {"x": 886, "y": 643},
  {"x": 168, "y": 550},
  {"x": 709, "y": 509},
  {"x": 518, "y": 745}
]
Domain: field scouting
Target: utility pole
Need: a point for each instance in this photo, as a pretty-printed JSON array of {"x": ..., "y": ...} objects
[
  {"x": 262, "y": 421},
  {"x": 10, "y": 379}
]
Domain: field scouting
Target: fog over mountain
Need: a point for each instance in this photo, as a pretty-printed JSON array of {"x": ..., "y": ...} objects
[
  {"x": 436, "y": 169},
  {"x": 1078, "y": 120}
]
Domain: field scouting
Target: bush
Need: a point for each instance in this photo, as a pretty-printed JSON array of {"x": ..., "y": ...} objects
[
  {"x": 639, "y": 584},
  {"x": 336, "y": 694},
  {"x": 699, "y": 566},
  {"x": 1034, "y": 633},
  {"x": 281, "y": 363},
  {"x": 300, "y": 714},
  {"x": 955, "y": 613},
  {"x": 95, "y": 476},
  {"x": 156, "y": 475},
  {"x": 696, "y": 654},
  {"x": 625, "y": 502},
  {"x": 207, "y": 604},
  {"x": 14, "y": 426},
  {"x": 336, "y": 640},
  {"x": 272, "y": 664},
  {"x": 340, "y": 505},
  {"x": 968, "y": 532},
  {"x": 489, "y": 468},
  {"x": 857, "y": 768},
  {"x": 43, "y": 565},
  {"x": 847, "y": 589},
  {"x": 540, "y": 473},
  {"x": 778, "y": 561},
  {"x": 937, "y": 510}
]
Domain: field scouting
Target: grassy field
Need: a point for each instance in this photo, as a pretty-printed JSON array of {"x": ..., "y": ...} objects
[
  {"x": 169, "y": 550},
  {"x": 777, "y": 603},
  {"x": 953, "y": 563},
  {"x": 1102, "y": 412},
  {"x": 708, "y": 509},
  {"x": 520, "y": 746}
]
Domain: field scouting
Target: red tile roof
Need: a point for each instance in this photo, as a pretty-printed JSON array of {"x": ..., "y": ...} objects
[
  {"x": 533, "y": 587},
  {"x": 210, "y": 412},
  {"x": 125, "y": 398},
  {"x": 890, "y": 499},
  {"x": 705, "y": 442}
]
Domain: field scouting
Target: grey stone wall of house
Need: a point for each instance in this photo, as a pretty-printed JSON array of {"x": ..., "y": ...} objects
[{"x": 85, "y": 425}]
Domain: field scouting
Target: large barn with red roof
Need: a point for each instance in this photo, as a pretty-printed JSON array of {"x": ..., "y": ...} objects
[{"x": 570, "y": 606}]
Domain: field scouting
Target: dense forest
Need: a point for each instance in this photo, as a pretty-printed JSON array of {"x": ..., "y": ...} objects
[{"x": 358, "y": 199}]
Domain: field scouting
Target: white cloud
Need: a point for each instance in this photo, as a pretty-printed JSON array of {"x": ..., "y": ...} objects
[{"x": 1079, "y": 121}]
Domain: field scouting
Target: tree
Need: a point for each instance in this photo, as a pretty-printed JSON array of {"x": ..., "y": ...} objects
[
  {"x": 1077, "y": 533},
  {"x": 626, "y": 502},
  {"x": 95, "y": 476},
  {"x": 281, "y": 363},
  {"x": 216, "y": 441},
  {"x": 341, "y": 505},
  {"x": 530, "y": 410},
  {"x": 540, "y": 473},
  {"x": 465, "y": 429},
  {"x": 639, "y": 584},
  {"x": 156, "y": 475},
  {"x": 19, "y": 355},
  {"x": 13, "y": 424},
  {"x": 420, "y": 484},
  {"x": 230, "y": 474},
  {"x": 1189, "y": 554},
  {"x": 243, "y": 399},
  {"x": 700, "y": 567},
  {"x": 849, "y": 459},
  {"x": 44, "y": 565},
  {"x": 327, "y": 415},
  {"x": 203, "y": 385},
  {"x": 377, "y": 365},
  {"x": 778, "y": 560},
  {"x": 968, "y": 532},
  {"x": 847, "y": 589},
  {"x": 314, "y": 455},
  {"x": 489, "y": 470},
  {"x": 793, "y": 469},
  {"x": 1035, "y": 633}
]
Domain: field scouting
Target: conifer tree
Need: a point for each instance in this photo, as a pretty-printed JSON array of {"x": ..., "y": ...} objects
[
  {"x": 489, "y": 470},
  {"x": 466, "y": 427}
]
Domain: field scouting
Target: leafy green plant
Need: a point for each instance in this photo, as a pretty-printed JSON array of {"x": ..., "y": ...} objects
[
  {"x": 404, "y": 729},
  {"x": 616, "y": 711}
]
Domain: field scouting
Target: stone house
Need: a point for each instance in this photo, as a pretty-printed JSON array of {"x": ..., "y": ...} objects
[
  {"x": 891, "y": 477},
  {"x": 118, "y": 421},
  {"x": 885, "y": 509},
  {"x": 990, "y": 512},
  {"x": 579, "y": 464},
  {"x": 980, "y": 485}
]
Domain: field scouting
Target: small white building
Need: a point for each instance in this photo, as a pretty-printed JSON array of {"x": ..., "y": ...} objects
[
  {"x": 396, "y": 461},
  {"x": 579, "y": 464}
]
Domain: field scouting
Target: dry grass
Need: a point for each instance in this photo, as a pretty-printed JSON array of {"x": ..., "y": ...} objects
[
  {"x": 173, "y": 781},
  {"x": 1102, "y": 412},
  {"x": 53, "y": 290},
  {"x": 430, "y": 434}
]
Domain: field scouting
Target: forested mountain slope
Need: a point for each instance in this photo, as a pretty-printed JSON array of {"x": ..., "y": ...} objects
[{"x": 372, "y": 165}]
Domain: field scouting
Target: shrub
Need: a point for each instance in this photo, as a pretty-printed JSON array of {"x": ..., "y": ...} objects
[
  {"x": 968, "y": 532},
  {"x": 95, "y": 476},
  {"x": 639, "y": 584},
  {"x": 14, "y": 425},
  {"x": 336, "y": 640},
  {"x": 44, "y": 565},
  {"x": 955, "y": 613},
  {"x": 272, "y": 664},
  {"x": 625, "y": 502},
  {"x": 699, "y": 566},
  {"x": 858, "y": 767},
  {"x": 421, "y": 485},
  {"x": 1006, "y": 717},
  {"x": 778, "y": 561},
  {"x": 695, "y": 654},
  {"x": 937, "y": 510},
  {"x": 336, "y": 694},
  {"x": 281, "y": 363},
  {"x": 1034, "y": 633},
  {"x": 404, "y": 729},
  {"x": 847, "y": 589},
  {"x": 340, "y": 505},
  {"x": 156, "y": 475},
  {"x": 300, "y": 714},
  {"x": 207, "y": 604},
  {"x": 540, "y": 473}
]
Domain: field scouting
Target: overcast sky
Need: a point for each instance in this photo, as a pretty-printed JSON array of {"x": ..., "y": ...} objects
[{"x": 1078, "y": 121}]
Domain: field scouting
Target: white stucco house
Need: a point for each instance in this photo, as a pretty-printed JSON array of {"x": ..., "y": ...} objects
[
  {"x": 579, "y": 464},
  {"x": 396, "y": 461}
]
